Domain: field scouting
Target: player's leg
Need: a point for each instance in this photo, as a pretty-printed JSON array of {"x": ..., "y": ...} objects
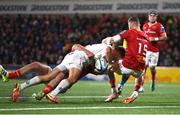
[
  {"x": 3, "y": 74},
  {"x": 74, "y": 64},
  {"x": 53, "y": 83},
  {"x": 50, "y": 86},
  {"x": 74, "y": 75},
  {"x": 121, "y": 84},
  {"x": 148, "y": 61},
  {"x": 153, "y": 73},
  {"x": 152, "y": 66},
  {"x": 114, "y": 94},
  {"x": 33, "y": 81},
  {"x": 125, "y": 76},
  {"x": 36, "y": 67},
  {"x": 135, "y": 93},
  {"x": 141, "y": 89},
  {"x": 138, "y": 81}
]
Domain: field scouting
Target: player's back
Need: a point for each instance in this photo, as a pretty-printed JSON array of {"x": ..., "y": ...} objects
[
  {"x": 136, "y": 49},
  {"x": 97, "y": 49}
]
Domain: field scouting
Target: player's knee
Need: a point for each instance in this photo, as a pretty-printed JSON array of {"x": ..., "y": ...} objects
[
  {"x": 72, "y": 81},
  {"x": 45, "y": 78},
  {"x": 152, "y": 67}
]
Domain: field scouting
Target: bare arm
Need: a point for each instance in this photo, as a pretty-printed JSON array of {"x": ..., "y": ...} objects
[
  {"x": 162, "y": 37},
  {"x": 111, "y": 40},
  {"x": 112, "y": 58},
  {"x": 108, "y": 55}
]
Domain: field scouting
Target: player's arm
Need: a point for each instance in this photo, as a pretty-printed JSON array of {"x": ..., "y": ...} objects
[
  {"x": 108, "y": 55},
  {"x": 82, "y": 48},
  {"x": 112, "y": 59},
  {"x": 163, "y": 35},
  {"x": 117, "y": 38},
  {"x": 111, "y": 40}
]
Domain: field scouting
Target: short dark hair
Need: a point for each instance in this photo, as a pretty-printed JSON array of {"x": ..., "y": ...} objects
[
  {"x": 134, "y": 19},
  {"x": 154, "y": 12},
  {"x": 120, "y": 50}
]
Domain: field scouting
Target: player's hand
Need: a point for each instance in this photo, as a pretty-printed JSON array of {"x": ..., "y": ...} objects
[
  {"x": 113, "y": 67},
  {"x": 151, "y": 39},
  {"x": 108, "y": 40}
]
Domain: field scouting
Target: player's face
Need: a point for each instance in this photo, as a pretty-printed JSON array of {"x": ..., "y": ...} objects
[
  {"x": 129, "y": 25},
  {"x": 152, "y": 18},
  {"x": 116, "y": 54}
]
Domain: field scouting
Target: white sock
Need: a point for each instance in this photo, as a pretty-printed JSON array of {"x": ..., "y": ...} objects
[
  {"x": 134, "y": 94},
  {"x": 30, "y": 82},
  {"x": 61, "y": 86}
]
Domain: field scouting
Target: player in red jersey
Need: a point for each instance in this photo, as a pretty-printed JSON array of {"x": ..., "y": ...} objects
[
  {"x": 134, "y": 61},
  {"x": 156, "y": 33}
]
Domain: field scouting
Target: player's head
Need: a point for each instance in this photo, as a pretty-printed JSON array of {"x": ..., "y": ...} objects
[
  {"x": 120, "y": 50},
  {"x": 152, "y": 16},
  {"x": 133, "y": 23}
]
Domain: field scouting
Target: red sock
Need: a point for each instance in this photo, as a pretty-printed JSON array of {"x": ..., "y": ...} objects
[
  {"x": 136, "y": 88},
  {"x": 47, "y": 89},
  {"x": 14, "y": 74},
  {"x": 112, "y": 83},
  {"x": 142, "y": 83}
]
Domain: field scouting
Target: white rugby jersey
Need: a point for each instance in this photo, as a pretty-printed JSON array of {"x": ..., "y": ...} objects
[{"x": 98, "y": 49}]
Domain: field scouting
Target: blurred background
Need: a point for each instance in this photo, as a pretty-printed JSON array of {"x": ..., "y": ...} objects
[{"x": 45, "y": 30}]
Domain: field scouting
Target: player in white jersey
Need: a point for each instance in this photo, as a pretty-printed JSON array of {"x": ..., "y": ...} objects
[
  {"x": 72, "y": 63},
  {"x": 100, "y": 51}
]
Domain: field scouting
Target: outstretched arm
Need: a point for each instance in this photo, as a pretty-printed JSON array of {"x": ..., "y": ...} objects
[{"x": 111, "y": 40}]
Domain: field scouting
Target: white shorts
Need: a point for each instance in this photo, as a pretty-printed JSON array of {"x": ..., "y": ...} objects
[
  {"x": 76, "y": 59},
  {"x": 152, "y": 58},
  {"x": 128, "y": 71}
]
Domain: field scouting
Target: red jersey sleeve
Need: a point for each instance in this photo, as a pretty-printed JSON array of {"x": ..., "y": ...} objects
[
  {"x": 144, "y": 26},
  {"x": 162, "y": 29}
]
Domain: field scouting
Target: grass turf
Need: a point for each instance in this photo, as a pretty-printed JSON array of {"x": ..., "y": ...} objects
[{"x": 164, "y": 100}]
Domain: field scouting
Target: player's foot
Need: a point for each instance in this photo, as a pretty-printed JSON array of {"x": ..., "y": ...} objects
[
  {"x": 39, "y": 96},
  {"x": 3, "y": 74},
  {"x": 131, "y": 98},
  {"x": 15, "y": 93},
  {"x": 119, "y": 89},
  {"x": 153, "y": 86},
  {"x": 141, "y": 89},
  {"x": 112, "y": 97},
  {"x": 52, "y": 98}
]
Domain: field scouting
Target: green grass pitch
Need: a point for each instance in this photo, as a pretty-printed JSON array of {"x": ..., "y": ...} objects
[{"x": 87, "y": 97}]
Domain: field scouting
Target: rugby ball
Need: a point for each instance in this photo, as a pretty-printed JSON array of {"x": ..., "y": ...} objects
[{"x": 100, "y": 64}]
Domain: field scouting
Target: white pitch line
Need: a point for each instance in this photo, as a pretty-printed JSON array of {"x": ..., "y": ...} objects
[
  {"x": 82, "y": 108},
  {"x": 68, "y": 97}
]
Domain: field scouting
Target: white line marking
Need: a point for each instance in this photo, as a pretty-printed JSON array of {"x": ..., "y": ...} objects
[
  {"x": 82, "y": 108},
  {"x": 68, "y": 97}
]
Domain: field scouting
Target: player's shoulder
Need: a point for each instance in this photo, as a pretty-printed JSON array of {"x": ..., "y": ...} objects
[{"x": 159, "y": 24}]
